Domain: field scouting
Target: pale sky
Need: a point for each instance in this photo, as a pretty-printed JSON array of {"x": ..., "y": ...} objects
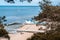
[{"x": 25, "y": 3}]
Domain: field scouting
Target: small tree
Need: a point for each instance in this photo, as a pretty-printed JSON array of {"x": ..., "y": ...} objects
[
  {"x": 2, "y": 19},
  {"x": 44, "y": 4},
  {"x": 3, "y": 32}
]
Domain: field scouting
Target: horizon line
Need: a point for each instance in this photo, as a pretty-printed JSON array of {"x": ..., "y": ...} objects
[{"x": 16, "y": 6}]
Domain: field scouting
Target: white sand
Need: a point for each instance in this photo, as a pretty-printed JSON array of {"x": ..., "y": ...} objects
[
  {"x": 3, "y": 38},
  {"x": 24, "y": 35}
]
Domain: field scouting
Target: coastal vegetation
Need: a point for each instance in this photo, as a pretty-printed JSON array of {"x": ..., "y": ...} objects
[
  {"x": 3, "y": 32},
  {"x": 49, "y": 14}
]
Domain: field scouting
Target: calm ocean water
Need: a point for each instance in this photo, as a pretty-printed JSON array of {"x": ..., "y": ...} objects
[{"x": 18, "y": 13}]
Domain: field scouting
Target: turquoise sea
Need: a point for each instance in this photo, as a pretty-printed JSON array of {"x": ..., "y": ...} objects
[{"x": 19, "y": 13}]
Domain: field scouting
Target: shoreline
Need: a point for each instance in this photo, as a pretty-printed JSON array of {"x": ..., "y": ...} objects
[{"x": 24, "y": 35}]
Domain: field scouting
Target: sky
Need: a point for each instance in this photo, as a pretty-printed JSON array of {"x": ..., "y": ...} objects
[{"x": 25, "y": 3}]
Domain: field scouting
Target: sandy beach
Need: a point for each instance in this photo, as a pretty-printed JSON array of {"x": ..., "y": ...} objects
[{"x": 24, "y": 35}]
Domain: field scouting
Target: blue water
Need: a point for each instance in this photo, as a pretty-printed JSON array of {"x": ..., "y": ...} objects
[{"x": 18, "y": 13}]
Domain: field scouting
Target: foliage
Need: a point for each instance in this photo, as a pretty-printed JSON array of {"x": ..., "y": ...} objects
[
  {"x": 3, "y": 32},
  {"x": 44, "y": 4},
  {"x": 29, "y": 1},
  {"x": 2, "y": 19},
  {"x": 48, "y": 12},
  {"x": 48, "y": 36},
  {"x": 51, "y": 14},
  {"x": 13, "y": 1},
  {"x": 10, "y": 1}
]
